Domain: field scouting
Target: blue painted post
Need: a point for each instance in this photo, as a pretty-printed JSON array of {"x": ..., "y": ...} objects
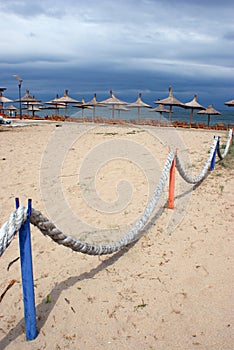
[
  {"x": 27, "y": 276},
  {"x": 212, "y": 165}
]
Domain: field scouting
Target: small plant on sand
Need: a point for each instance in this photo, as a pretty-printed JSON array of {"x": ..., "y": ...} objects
[
  {"x": 140, "y": 306},
  {"x": 221, "y": 187},
  {"x": 48, "y": 299},
  {"x": 228, "y": 161},
  {"x": 134, "y": 132}
]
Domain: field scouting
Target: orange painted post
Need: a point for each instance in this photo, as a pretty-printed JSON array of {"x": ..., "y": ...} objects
[{"x": 171, "y": 186}]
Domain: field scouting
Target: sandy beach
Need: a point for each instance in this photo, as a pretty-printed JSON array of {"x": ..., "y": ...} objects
[{"x": 171, "y": 289}]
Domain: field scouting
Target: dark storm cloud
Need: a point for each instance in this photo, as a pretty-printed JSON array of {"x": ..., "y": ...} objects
[{"x": 132, "y": 45}]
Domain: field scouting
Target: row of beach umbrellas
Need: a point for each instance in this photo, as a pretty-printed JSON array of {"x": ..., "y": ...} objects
[{"x": 33, "y": 104}]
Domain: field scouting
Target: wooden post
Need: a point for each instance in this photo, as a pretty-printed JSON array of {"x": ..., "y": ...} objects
[
  {"x": 27, "y": 275},
  {"x": 171, "y": 186}
]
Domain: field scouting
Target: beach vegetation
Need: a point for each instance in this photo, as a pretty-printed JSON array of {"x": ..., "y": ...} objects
[
  {"x": 141, "y": 305},
  {"x": 228, "y": 161},
  {"x": 107, "y": 133},
  {"x": 48, "y": 299},
  {"x": 134, "y": 132},
  {"x": 221, "y": 188}
]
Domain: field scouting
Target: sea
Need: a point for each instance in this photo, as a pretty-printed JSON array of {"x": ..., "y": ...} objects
[{"x": 226, "y": 117}]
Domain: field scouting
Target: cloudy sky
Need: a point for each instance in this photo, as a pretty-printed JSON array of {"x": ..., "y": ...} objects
[{"x": 130, "y": 46}]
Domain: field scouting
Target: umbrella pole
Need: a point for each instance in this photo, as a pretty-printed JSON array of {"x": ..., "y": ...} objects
[
  {"x": 191, "y": 117},
  {"x": 113, "y": 111},
  {"x": 139, "y": 115},
  {"x": 170, "y": 115},
  {"x": 208, "y": 119}
]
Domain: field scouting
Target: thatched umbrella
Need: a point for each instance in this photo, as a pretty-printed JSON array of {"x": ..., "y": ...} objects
[
  {"x": 3, "y": 100},
  {"x": 12, "y": 109},
  {"x": 193, "y": 105},
  {"x": 27, "y": 98},
  {"x": 139, "y": 104},
  {"x": 32, "y": 106},
  {"x": 113, "y": 101},
  {"x": 160, "y": 109},
  {"x": 56, "y": 104},
  {"x": 94, "y": 103},
  {"x": 67, "y": 99},
  {"x": 209, "y": 111},
  {"x": 170, "y": 101},
  {"x": 83, "y": 105},
  {"x": 229, "y": 103}
]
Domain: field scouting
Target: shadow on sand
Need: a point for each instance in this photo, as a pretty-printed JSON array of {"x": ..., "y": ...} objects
[{"x": 45, "y": 308}]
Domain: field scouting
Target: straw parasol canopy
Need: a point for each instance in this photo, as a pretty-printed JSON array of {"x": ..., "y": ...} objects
[
  {"x": 67, "y": 99},
  {"x": 12, "y": 109},
  {"x": 160, "y": 109},
  {"x": 54, "y": 101},
  {"x": 139, "y": 104},
  {"x": 193, "y": 105},
  {"x": 170, "y": 101},
  {"x": 209, "y": 111},
  {"x": 3, "y": 100},
  {"x": 28, "y": 99},
  {"x": 113, "y": 101},
  {"x": 94, "y": 103},
  {"x": 229, "y": 103},
  {"x": 56, "y": 104},
  {"x": 83, "y": 105}
]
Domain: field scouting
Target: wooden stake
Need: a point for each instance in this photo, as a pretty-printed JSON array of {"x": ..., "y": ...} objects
[
  {"x": 27, "y": 276},
  {"x": 171, "y": 186}
]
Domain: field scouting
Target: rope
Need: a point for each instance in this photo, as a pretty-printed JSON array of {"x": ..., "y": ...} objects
[
  {"x": 19, "y": 216},
  {"x": 11, "y": 227},
  {"x": 205, "y": 169},
  {"x": 229, "y": 140},
  {"x": 48, "y": 228}
]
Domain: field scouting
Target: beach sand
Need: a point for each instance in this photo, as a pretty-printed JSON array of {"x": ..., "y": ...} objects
[{"x": 172, "y": 289}]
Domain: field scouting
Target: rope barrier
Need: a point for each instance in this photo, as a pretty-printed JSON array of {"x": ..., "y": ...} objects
[
  {"x": 228, "y": 144},
  {"x": 48, "y": 228},
  {"x": 11, "y": 227},
  {"x": 19, "y": 216},
  {"x": 205, "y": 169}
]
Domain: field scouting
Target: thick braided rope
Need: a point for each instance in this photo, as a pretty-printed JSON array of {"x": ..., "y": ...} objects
[
  {"x": 229, "y": 140},
  {"x": 204, "y": 171},
  {"x": 10, "y": 227},
  {"x": 48, "y": 228}
]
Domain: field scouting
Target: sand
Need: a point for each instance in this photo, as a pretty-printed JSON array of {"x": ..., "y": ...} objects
[{"x": 172, "y": 289}]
